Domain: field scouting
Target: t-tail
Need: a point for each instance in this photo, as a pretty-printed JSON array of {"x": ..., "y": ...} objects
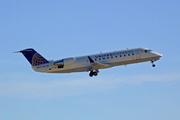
[{"x": 33, "y": 57}]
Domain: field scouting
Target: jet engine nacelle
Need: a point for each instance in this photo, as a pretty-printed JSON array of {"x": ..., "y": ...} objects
[
  {"x": 65, "y": 62},
  {"x": 69, "y": 61}
]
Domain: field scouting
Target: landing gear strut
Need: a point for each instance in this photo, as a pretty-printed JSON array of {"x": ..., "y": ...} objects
[
  {"x": 153, "y": 65},
  {"x": 95, "y": 73}
]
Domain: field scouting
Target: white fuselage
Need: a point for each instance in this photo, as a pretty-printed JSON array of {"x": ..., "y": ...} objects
[{"x": 110, "y": 59}]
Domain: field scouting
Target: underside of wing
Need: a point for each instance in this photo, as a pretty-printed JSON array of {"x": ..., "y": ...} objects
[{"x": 98, "y": 65}]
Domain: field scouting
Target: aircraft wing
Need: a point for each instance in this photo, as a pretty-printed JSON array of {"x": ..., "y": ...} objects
[{"x": 97, "y": 65}]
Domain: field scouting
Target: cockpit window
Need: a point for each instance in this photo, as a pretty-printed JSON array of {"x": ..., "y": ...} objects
[{"x": 147, "y": 51}]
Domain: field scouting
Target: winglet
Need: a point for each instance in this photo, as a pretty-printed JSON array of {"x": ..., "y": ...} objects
[{"x": 91, "y": 61}]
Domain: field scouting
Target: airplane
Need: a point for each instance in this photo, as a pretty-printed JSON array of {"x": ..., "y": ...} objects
[{"x": 90, "y": 63}]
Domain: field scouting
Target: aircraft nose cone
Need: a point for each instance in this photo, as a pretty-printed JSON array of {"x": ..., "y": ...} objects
[
  {"x": 160, "y": 55},
  {"x": 157, "y": 54}
]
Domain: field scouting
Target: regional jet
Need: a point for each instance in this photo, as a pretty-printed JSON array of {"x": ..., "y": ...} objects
[{"x": 90, "y": 63}]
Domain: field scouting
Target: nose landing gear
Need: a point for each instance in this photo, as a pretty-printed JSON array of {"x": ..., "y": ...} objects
[
  {"x": 153, "y": 65},
  {"x": 95, "y": 73}
]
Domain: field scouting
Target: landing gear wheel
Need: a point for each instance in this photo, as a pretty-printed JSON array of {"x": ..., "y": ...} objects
[
  {"x": 153, "y": 65},
  {"x": 91, "y": 73},
  {"x": 95, "y": 73}
]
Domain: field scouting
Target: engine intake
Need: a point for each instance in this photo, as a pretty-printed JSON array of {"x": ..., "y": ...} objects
[
  {"x": 65, "y": 62},
  {"x": 69, "y": 61}
]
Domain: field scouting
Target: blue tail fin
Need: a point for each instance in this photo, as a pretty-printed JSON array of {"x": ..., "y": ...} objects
[{"x": 33, "y": 57}]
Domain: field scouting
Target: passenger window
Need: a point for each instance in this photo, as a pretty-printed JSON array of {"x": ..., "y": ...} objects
[
  {"x": 132, "y": 53},
  {"x": 103, "y": 58},
  {"x": 124, "y": 55},
  {"x": 116, "y": 56},
  {"x": 128, "y": 54},
  {"x": 95, "y": 59},
  {"x": 120, "y": 56},
  {"x": 107, "y": 57},
  {"x": 112, "y": 57},
  {"x": 99, "y": 58}
]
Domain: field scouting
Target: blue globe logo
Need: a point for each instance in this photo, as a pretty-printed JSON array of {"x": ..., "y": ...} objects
[{"x": 38, "y": 60}]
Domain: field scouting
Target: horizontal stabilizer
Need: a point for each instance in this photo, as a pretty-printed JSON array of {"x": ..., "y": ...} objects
[{"x": 17, "y": 52}]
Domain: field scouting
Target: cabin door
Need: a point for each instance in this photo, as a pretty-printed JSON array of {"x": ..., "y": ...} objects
[{"x": 138, "y": 55}]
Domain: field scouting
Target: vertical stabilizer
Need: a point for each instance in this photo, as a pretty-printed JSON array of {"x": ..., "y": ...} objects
[{"x": 33, "y": 57}]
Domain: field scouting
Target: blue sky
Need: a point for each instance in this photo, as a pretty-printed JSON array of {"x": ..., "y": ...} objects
[{"x": 59, "y": 29}]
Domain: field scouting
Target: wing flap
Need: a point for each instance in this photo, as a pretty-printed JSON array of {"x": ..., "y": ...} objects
[
  {"x": 101, "y": 64},
  {"x": 98, "y": 65}
]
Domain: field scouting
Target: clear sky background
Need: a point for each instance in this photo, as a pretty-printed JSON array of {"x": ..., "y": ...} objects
[{"x": 60, "y": 29}]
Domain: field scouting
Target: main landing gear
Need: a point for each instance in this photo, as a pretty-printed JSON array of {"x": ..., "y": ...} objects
[
  {"x": 95, "y": 73},
  {"x": 153, "y": 65}
]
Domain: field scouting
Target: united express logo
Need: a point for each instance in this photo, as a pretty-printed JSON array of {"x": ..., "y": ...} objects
[{"x": 38, "y": 60}]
